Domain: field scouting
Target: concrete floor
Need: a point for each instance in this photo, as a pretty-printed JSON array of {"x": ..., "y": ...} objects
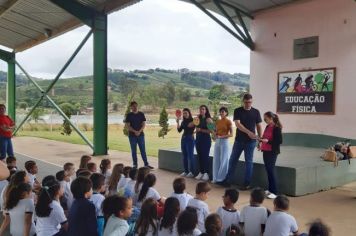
[{"x": 336, "y": 207}]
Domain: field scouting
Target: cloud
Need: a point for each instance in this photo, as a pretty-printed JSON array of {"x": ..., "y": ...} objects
[{"x": 152, "y": 33}]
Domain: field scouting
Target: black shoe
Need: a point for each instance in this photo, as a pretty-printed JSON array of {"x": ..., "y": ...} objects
[
  {"x": 150, "y": 167},
  {"x": 245, "y": 188}
]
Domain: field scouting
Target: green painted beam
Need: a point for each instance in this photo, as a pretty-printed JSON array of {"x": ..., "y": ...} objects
[
  {"x": 100, "y": 86},
  {"x": 82, "y": 12},
  {"x": 11, "y": 89},
  {"x": 6, "y": 56}
]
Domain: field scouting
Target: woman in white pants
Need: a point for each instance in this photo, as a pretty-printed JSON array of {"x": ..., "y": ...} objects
[{"x": 221, "y": 150}]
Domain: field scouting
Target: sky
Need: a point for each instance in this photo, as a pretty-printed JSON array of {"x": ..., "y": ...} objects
[{"x": 168, "y": 34}]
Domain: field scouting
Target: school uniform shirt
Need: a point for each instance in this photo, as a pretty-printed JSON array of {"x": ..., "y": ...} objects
[
  {"x": 107, "y": 176},
  {"x": 253, "y": 217},
  {"x": 82, "y": 218},
  {"x": 130, "y": 188},
  {"x": 196, "y": 232},
  {"x": 151, "y": 193},
  {"x": 280, "y": 224},
  {"x": 228, "y": 217},
  {"x": 202, "y": 210},
  {"x": 183, "y": 199},
  {"x": 116, "y": 226},
  {"x": 51, "y": 225},
  {"x": 97, "y": 199},
  {"x": 150, "y": 231},
  {"x": 32, "y": 179},
  {"x": 2, "y": 200},
  {"x": 17, "y": 217},
  {"x": 172, "y": 231},
  {"x": 121, "y": 184},
  {"x": 67, "y": 194}
]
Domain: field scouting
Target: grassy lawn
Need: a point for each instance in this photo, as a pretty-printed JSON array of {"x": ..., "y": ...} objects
[{"x": 117, "y": 140}]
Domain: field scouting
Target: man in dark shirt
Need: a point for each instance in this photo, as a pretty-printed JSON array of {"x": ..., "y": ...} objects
[
  {"x": 136, "y": 122},
  {"x": 246, "y": 119}
]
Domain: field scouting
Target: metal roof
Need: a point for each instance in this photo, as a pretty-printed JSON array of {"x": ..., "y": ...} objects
[{"x": 26, "y": 23}]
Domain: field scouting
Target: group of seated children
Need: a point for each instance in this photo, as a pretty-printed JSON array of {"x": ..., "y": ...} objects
[{"x": 99, "y": 202}]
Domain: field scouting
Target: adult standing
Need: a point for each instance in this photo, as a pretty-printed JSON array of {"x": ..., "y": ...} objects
[
  {"x": 136, "y": 122},
  {"x": 187, "y": 142},
  {"x": 221, "y": 149},
  {"x": 7, "y": 125},
  {"x": 203, "y": 142},
  {"x": 246, "y": 119},
  {"x": 270, "y": 146}
]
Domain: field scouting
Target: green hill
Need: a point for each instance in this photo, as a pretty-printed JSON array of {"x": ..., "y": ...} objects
[{"x": 152, "y": 87}]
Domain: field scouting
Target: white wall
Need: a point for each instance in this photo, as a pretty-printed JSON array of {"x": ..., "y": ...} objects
[{"x": 334, "y": 21}]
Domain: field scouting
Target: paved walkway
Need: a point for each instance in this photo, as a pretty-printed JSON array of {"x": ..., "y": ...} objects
[{"x": 337, "y": 207}]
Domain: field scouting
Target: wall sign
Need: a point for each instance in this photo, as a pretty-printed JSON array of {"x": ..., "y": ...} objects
[{"x": 307, "y": 91}]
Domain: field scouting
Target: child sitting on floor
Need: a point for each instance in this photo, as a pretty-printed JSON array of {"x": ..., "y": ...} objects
[
  {"x": 168, "y": 224},
  {"x": 253, "y": 217},
  {"x": 32, "y": 170},
  {"x": 148, "y": 191},
  {"x": 147, "y": 223},
  {"x": 280, "y": 223},
  {"x": 118, "y": 209},
  {"x": 98, "y": 181},
  {"x": 70, "y": 170},
  {"x": 201, "y": 195},
  {"x": 11, "y": 163},
  {"x": 82, "y": 217},
  {"x": 228, "y": 213},
  {"x": 213, "y": 225},
  {"x": 92, "y": 167},
  {"x": 180, "y": 194},
  {"x": 187, "y": 223}
]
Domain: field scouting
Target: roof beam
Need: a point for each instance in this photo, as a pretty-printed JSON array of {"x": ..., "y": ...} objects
[
  {"x": 83, "y": 13},
  {"x": 7, "y": 6},
  {"x": 6, "y": 56}
]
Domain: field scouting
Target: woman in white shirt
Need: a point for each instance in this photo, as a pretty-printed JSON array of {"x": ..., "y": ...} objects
[
  {"x": 19, "y": 209},
  {"x": 50, "y": 215}
]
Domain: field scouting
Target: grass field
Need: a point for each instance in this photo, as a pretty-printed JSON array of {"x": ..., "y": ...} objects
[{"x": 117, "y": 140}]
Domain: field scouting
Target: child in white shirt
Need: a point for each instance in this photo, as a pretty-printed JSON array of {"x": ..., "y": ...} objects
[
  {"x": 187, "y": 223},
  {"x": 69, "y": 169},
  {"x": 280, "y": 223},
  {"x": 147, "y": 191},
  {"x": 50, "y": 215},
  {"x": 130, "y": 186},
  {"x": 32, "y": 170},
  {"x": 179, "y": 188},
  {"x": 228, "y": 213},
  {"x": 202, "y": 189},
  {"x": 253, "y": 217},
  {"x": 97, "y": 198}
]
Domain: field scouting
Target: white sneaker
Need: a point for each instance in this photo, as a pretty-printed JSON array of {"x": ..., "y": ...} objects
[
  {"x": 267, "y": 192},
  {"x": 183, "y": 174},
  {"x": 271, "y": 196},
  {"x": 199, "y": 176},
  {"x": 205, "y": 177},
  {"x": 190, "y": 175}
]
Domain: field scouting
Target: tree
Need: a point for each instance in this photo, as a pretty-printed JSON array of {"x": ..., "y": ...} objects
[
  {"x": 81, "y": 86},
  {"x": 163, "y": 122},
  {"x": 217, "y": 92},
  {"x": 69, "y": 110},
  {"x": 169, "y": 92},
  {"x": 115, "y": 106},
  {"x": 36, "y": 115}
]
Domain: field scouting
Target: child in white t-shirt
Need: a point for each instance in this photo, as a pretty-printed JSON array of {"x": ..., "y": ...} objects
[
  {"x": 97, "y": 198},
  {"x": 201, "y": 195},
  {"x": 147, "y": 191},
  {"x": 280, "y": 223},
  {"x": 105, "y": 166},
  {"x": 19, "y": 211},
  {"x": 147, "y": 222},
  {"x": 168, "y": 224},
  {"x": 130, "y": 186},
  {"x": 187, "y": 223},
  {"x": 118, "y": 209},
  {"x": 183, "y": 197},
  {"x": 66, "y": 199},
  {"x": 32, "y": 170},
  {"x": 69, "y": 169},
  {"x": 50, "y": 215},
  {"x": 228, "y": 213},
  {"x": 253, "y": 217}
]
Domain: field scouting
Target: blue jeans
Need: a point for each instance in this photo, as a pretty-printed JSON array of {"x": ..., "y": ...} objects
[
  {"x": 6, "y": 147},
  {"x": 221, "y": 159},
  {"x": 202, "y": 145},
  {"x": 187, "y": 146},
  {"x": 248, "y": 148},
  {"x": 270, "y": 159},
  {"x": 140, "y": 141}
]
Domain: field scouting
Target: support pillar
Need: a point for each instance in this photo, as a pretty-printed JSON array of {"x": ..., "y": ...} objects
[
  {"x": 100, "y": 85},
  {"x": 11, "y": 89}
]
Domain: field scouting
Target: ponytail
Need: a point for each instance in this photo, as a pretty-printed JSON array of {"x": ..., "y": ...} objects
[
  {"x": 149, "y": 181},
  {"x": 16, "y": 194},
  {"x": 104, "y": 165},
  {"x": 275, "y": 119},
  {"x": 48, "y": 193}
]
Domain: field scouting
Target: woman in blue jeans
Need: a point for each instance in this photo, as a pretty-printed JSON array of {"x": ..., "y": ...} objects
[
  {"x": 270, "y": 146},
  {"x": 203, "y": 142},
  {"x": 187, "y": 142}
]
